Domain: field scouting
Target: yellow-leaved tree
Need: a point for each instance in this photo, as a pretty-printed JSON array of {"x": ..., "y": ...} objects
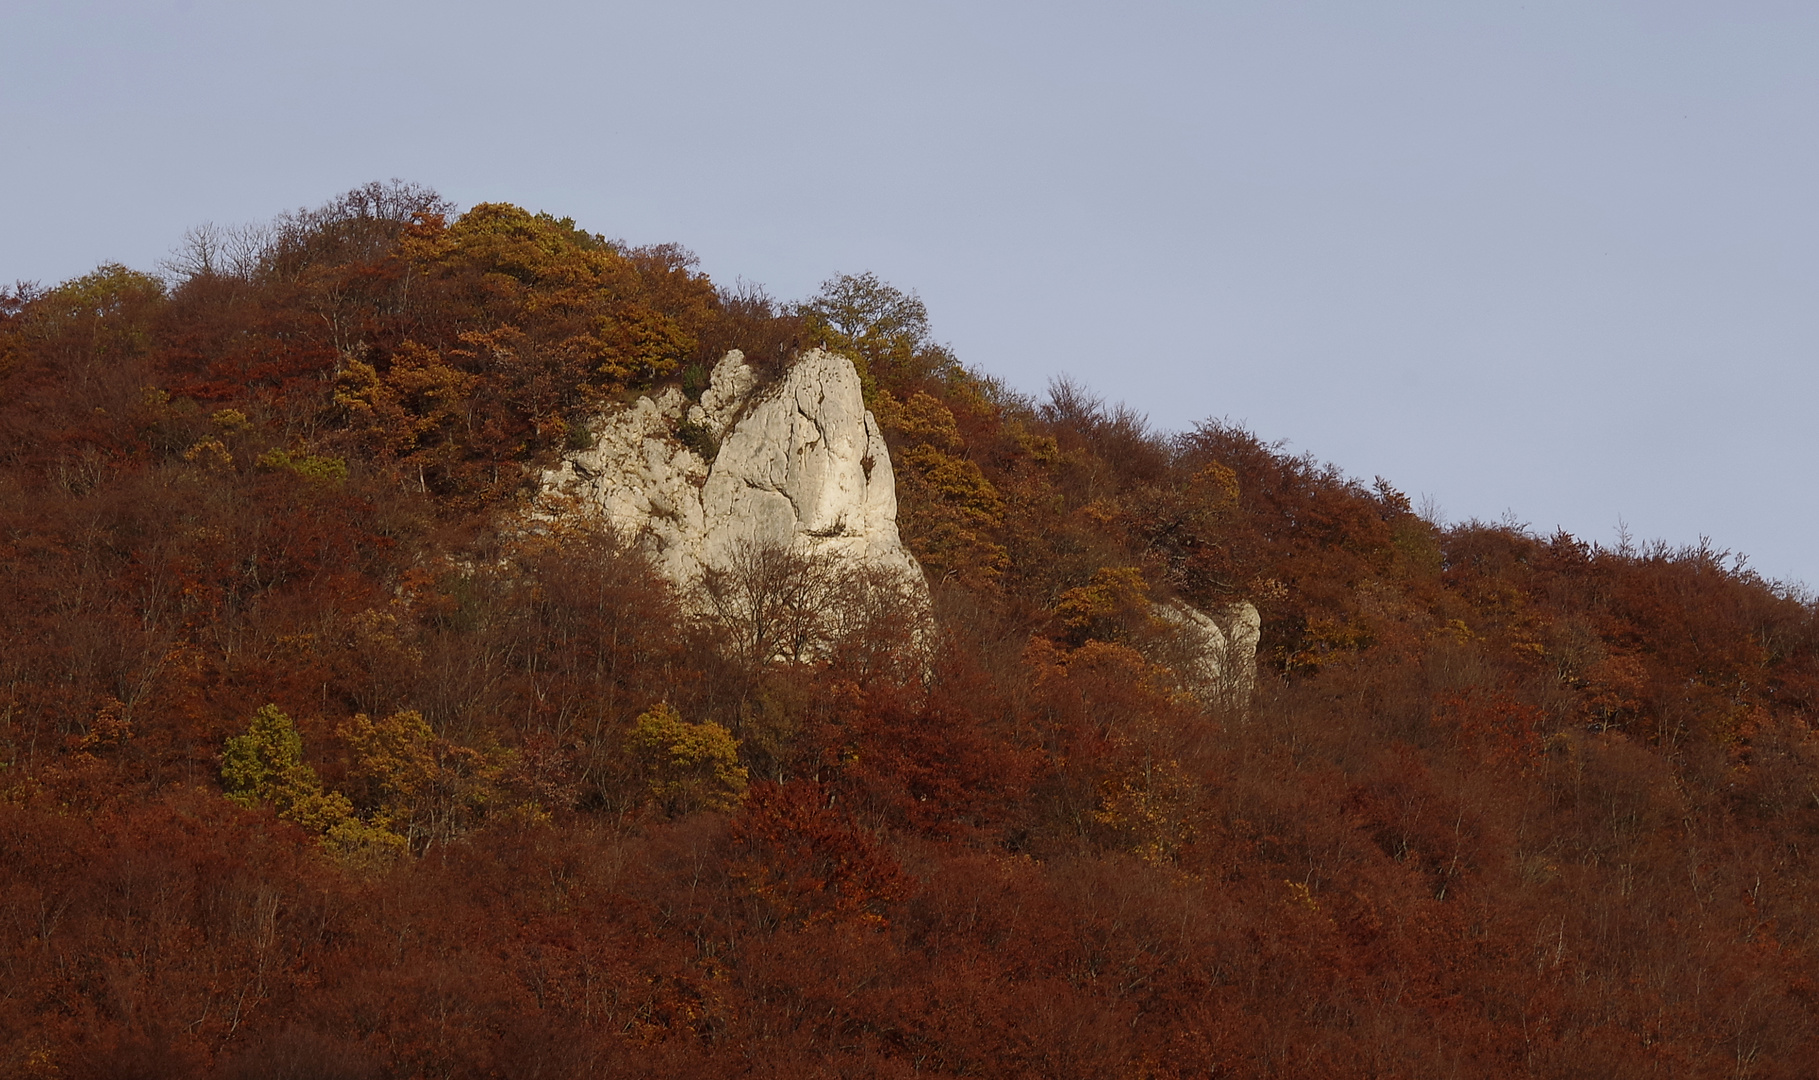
[
  {"x": 950, "y": 513},
  {"x": 265, "y": 765},
  {"x": 413, "y": 785},
  {"x": 689, "y": 766}
]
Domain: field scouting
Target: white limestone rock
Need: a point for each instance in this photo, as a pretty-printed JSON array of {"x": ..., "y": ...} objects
[
  {"x": 1220, "y": 661},
  {"x": 800, "y": 465},
  {"x": 729, "y": 385}
]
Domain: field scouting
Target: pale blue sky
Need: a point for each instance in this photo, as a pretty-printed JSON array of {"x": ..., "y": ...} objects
[{"x": 1558, "y": 259}]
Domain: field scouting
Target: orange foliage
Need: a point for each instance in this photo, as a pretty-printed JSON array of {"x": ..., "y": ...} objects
[{"x": 1503, "y": 805}]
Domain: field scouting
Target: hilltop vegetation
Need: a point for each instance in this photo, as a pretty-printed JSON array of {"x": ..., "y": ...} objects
[{"x": 313, "y": 762}]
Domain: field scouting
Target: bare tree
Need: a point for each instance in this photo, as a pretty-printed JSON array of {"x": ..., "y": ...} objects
[
  {"x": 774, "y": 600},
  {"x": 356, "y": 226},
  {"x": 881, "y": 622},
  {"x": 210, "y": 250}
]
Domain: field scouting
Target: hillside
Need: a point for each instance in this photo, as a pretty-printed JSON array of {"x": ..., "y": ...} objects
[{"x": 322, "y": 754}]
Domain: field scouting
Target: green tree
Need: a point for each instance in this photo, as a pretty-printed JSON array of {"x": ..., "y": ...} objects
[
  {"x": 265, "y": 765},
  {"x": 882, "y": 328}
]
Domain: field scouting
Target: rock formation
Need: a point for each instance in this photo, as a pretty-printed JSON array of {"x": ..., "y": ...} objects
[
  {"x": 1219, "y": 662},
  {"x": 767, "y": 506},
  {"x": 799, "y": 470}
]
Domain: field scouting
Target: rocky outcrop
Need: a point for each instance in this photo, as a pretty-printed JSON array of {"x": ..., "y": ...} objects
[
  {"x": 774, "y": 509},
  {"x": 806, "y": 466},
  {"x": 797, "y": 466},
  {"x": 1217, "y": 661}
]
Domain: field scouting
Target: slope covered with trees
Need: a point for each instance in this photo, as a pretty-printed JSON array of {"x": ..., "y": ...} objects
[{"x": 314, "y": 762}]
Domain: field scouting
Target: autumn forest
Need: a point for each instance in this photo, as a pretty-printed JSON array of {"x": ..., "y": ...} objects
[{"x": 319, "y": 759}]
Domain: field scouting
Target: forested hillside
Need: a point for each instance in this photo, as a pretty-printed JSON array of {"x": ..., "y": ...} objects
[{"x": 317, "y": 760}]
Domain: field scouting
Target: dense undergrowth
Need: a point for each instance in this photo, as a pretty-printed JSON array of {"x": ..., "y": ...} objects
[{"x": 1504, "y": 804}]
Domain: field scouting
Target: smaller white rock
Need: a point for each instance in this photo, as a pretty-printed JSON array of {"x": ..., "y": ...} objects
[
  {"x": 728, "y": 387},
  {"x": 1220, "y": 667}
]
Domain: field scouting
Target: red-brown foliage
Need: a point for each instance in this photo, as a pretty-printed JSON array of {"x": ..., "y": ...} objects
[{"x": 1504, "y": 805}]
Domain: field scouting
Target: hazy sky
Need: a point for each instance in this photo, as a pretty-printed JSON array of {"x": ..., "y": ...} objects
[{"x": 1554, "y": 259}]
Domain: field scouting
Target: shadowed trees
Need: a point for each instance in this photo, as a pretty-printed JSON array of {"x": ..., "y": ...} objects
[{"x": 1502, "y": 805}]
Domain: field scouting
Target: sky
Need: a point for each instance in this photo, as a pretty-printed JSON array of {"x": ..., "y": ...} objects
[{"x": 1554, "y": 264}]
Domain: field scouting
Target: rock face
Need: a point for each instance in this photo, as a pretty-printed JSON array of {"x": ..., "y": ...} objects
[
  {"x": 798, "y": 466},
  {"x": 1220, "y": 662},
  {"x": 764, "y": 505}
]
